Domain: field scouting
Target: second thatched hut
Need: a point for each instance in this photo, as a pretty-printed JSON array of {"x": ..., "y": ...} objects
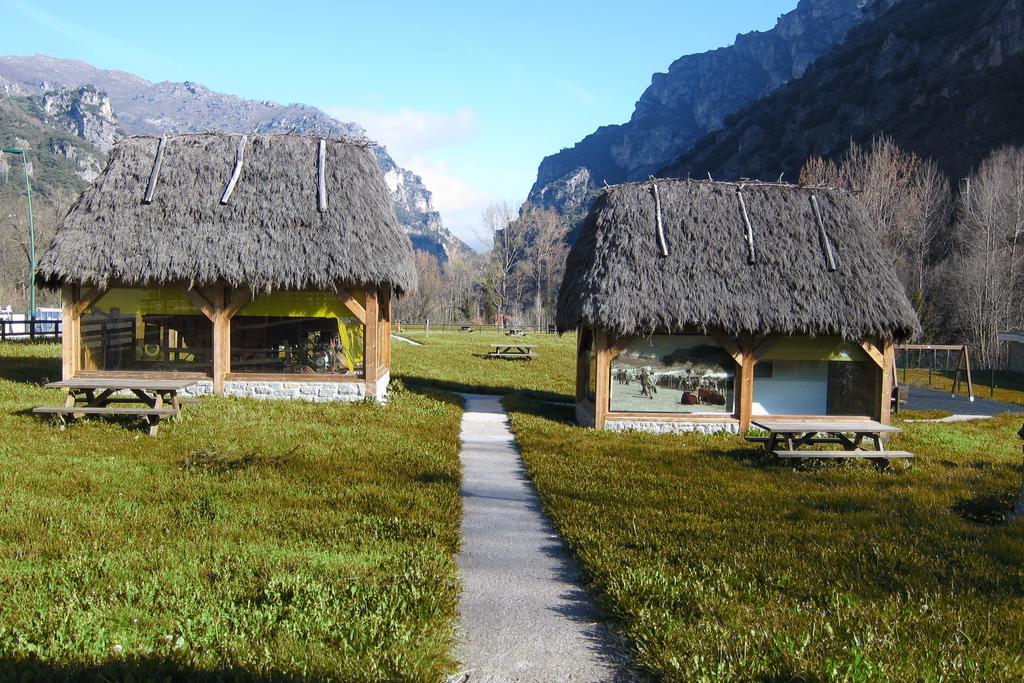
[
  {"x": 260, "y": 265},
  {"x": 702, "y": 304}
]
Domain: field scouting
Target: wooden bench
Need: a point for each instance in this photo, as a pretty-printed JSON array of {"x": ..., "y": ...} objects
[
  {"x": 512, "y": 351},
  {"x": 154, "y": 399},
  {"x": 793, "y": 435},
  {"x": 809, "y": 453}
]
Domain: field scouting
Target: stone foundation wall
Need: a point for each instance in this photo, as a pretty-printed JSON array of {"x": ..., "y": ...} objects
[
  {"x": 666, "y": 427},
  {"x": 317, "y": 392}
]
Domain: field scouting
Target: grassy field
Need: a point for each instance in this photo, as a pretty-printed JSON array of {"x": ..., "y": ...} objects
[
  {"x": 270, "y": 541},
  {"x": 456, "y": 361},
  {"x": 124, "y": 556},
  {"x": 721, "y": 564}
]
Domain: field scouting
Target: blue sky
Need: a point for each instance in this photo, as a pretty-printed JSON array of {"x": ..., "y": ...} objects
[{"x": 470, "y": 95}]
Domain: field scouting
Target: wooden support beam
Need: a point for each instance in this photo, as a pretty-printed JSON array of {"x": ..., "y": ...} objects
[
  {"x": 69, "y": 335},
  {"x": 370, "y": 350},
  {"x": 386, "y": 333},
  {"x": 321, "y": 172},
  {"x": 729, "y": 346},
  {"x": 766, "y": 345},
  {"x": 236, "y": 300},
  {"x": 874, "y": 352},
  {"x": 352, "y": 304},
  {"x": 745, "y": 381},
  {"x": 236, "y": 172},
  {"x": 87, "y": 296},
  {"x": 154, "y": 174},
  {"x": 604, "y": 376},
  {"x": 826, "y": 243},
  {"x": 887, "y": 377},
  {"x": 662, "y": 246},
  {"x": 749, "y": 229},
  {"x": 221, "y": 341},
  {"x": 202, "y": 302}
]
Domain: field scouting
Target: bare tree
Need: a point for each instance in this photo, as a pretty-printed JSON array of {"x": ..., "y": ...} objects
[
  {"x": 428, "y": 300},
  {"x": 908, "y": 201},
  {"x": 990, "y": 232},
  {"x": 508, "y": 240},
  {"x": 545, "y": 261}
]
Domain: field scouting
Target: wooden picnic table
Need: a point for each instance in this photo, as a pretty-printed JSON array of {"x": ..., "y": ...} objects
[
  {"x": 795, "y": 435},
  {"x": 158, "y": 398},
  {"x": 512, "y": 351}
]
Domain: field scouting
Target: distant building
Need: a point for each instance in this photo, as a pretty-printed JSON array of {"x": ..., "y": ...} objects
[
  {"x": 1015, "y": 349},
  {"x": 700, "y": 305}
]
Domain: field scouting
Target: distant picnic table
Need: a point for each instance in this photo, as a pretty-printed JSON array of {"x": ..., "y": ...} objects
[
  {"x": 512, "y": 351},
  {"x": 790, "y": 438},
  {"x": 158, "y": 398}
]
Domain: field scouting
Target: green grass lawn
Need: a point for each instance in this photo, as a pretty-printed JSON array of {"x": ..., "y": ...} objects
[
  {"x": 270, "y": 541},
  {"x": 455, "y": 361},
  {"x": 721, "y": 564},
  {"x": 287, "y": 540}
]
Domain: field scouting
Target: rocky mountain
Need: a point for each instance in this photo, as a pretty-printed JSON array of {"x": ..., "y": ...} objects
[
  {"x": 68, "y": 133},
  {"x": 944, "y": 78},
  {"x": 76, "y": 91},
  {"x": 694, "y": 97}
]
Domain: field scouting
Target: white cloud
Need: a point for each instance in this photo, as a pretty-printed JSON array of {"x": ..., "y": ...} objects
[
  {"x": 416, "y": 140},
  {"x": 409, "y": 133},
  {"x": 460, "y": 203}
]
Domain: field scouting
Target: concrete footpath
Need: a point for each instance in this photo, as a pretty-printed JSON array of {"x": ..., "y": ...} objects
[
  {"x": 524, "y": 614},
  {"x": 921, "y": 398}
]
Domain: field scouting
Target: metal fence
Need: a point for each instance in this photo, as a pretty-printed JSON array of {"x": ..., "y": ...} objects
[
  {"x": 30, "y": 330},
  {"x": 427, "y": 327}
]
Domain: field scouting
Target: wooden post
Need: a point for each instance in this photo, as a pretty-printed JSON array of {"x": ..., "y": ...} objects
[
  {"x": 970, "y": 380},
  {"x": 604, "y": 375},
  {"x": 69, "y": 342},
  {"x": 745, "y": 383},
  {"x": 888, "y": 366},
  {"x": 370, "y": 351},
  {"x": 582, "y": 366}
]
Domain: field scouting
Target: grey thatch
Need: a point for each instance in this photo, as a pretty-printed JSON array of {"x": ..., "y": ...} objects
[
  {"x": 617, "y": 280},
  {"x": 269, "y": 235}
]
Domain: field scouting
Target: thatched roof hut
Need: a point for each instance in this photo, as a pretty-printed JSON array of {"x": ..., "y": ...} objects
[
  {"x": 269, "y": 234},
  {"x": 617, "y": 280},
  {"x": 679, "y": 288},
  {"x": 240, "y": 260}
]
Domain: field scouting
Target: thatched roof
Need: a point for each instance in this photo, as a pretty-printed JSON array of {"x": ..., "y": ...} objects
[
  {"x": 618, "y": 280},
  {"x": 271, "y": 233}
]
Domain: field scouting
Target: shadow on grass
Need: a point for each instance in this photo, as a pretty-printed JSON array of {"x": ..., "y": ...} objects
[
  {"x": 984, "y": 510},
  {"x": 131, "y": 669},
  {"x": 29, "y": 370},
  {"x": 546, "y": 404}
]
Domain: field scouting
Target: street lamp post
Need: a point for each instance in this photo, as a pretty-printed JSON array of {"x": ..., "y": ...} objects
[{"x": 31, "y": 231}]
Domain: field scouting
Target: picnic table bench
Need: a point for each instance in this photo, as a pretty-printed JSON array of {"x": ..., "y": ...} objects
[
  {"x": 158, "y": 398},
  {"x": 512, "y": 351},
  {"x": 787, "y": 438}
]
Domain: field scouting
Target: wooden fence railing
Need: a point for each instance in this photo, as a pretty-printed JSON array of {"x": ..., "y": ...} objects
[{"x": 31, "y": 330}]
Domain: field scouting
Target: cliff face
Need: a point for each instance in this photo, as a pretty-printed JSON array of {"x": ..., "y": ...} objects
[
  {"x": 691, "y": 99},
  {"x": 944, "y": 78},
  {"x": 74, "y": 96}
]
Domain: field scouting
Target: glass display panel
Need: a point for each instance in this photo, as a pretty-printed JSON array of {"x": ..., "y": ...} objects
[
  {"x": 815, "y": 376},
  {"x": 145, "y": 330},
  {"x": 673, "y": 374},
  {"x": 297, "y": 333}
]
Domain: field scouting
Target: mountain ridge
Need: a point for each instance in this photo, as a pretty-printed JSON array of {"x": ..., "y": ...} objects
[
  {"x": 145, "y": 107},
  {"x": 688, "y": 100},
  {"x": 943, "y": 78}
]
